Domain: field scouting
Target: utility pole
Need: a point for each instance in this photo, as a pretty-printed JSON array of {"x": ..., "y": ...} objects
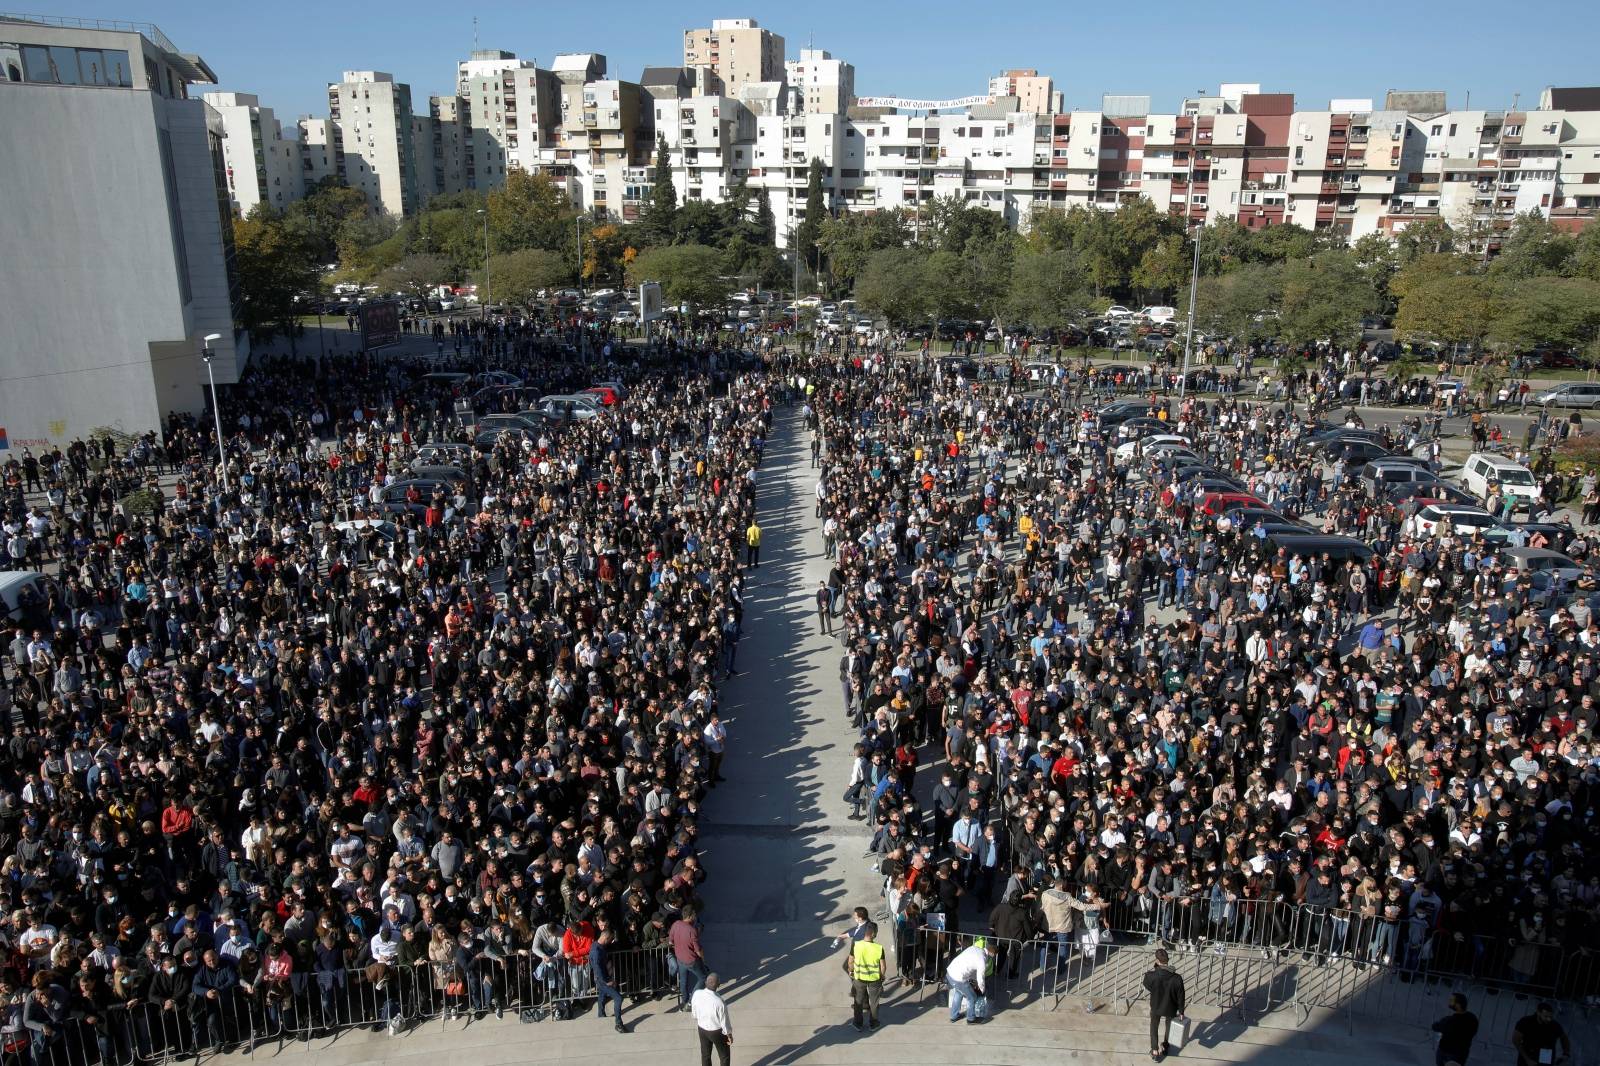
[
  {"x": 1188, "y": 335},
  {"x": 216, "y": 409},
  {"x": 483, "y": 304}
]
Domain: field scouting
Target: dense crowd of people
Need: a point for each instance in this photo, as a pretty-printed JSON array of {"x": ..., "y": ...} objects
[
  {"x": 270, "y": 739},
  {"x": 1147, "y": 719}
]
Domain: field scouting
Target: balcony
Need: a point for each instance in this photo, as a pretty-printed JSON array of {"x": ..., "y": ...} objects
[
  {"x": 1510, "y": 186},
  {"x": 1330, "y": 187},
  {"x": 1359, "y": 136},
  {"x": 1413, "y": 209},
  {"x": 1347, "y": 209}
]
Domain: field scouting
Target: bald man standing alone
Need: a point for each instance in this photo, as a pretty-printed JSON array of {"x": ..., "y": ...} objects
[{"x": 711, "y": 1017}]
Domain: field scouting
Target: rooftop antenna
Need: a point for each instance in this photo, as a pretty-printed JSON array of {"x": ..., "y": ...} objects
[{"x": 474, "y": 33}]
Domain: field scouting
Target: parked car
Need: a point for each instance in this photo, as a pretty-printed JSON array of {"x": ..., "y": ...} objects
[
  {"x": 1570, "y": 394},
  {"x": 1465, "y": 520},
  {"x": 1543, "y": 560}
]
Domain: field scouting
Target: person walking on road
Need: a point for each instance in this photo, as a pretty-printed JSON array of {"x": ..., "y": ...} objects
[
  {"x": 1167, "y": 1000},
  {"x": 605, "y": 981},
  {"x": 752, "y": 544},
  {"x": 1456, "y": 1031},
  {"x": 711, "y": 1018},
  {"x": 966, "y": 977},
  {"x": 864, "y": 964}
]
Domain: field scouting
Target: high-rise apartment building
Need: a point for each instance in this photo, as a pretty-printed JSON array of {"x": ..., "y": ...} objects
[
  {"x": 822, "y": 83},
  {"x": 371, "y": 128},
  {"x": 1035, "y": 93},
  {"x": 119, "y": 207},
  {"x": 509, "y": 111},
  {"x": 737, "y": 51},
  {"x": 263, "y": 166}
]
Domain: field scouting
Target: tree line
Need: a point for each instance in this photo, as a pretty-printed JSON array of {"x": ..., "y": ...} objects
[{"x": 950, "y": 259}]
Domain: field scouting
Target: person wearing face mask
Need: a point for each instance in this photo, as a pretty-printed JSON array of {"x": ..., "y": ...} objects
[{"x": 170, "y": 994}]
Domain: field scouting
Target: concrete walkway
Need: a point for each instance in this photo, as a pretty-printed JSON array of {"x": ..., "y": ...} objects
[{"x": 786, "y": 868}]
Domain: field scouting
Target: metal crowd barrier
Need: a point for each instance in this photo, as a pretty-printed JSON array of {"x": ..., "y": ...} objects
[
  {"x": 326, "y": 1004},
  {"x": 1275, "y": 958}
]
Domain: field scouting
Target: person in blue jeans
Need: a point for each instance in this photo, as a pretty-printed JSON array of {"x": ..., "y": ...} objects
[
  {"x": 965, "y": 977},
  {"x": 604, "y": 979},
  {"x": 692, "y": 971}
]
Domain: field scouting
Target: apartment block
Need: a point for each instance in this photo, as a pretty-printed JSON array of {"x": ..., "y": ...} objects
[
  {"x": 262, "y": 164},
  {"x": 371, "y": 129},
  {"x": 127, "y": 233},
  {"x": 509, "y": 110},
  {"x": 820, "y": 82},
  {"x": 1035, "y": 92},
  {"x": 737, "y": 51}
]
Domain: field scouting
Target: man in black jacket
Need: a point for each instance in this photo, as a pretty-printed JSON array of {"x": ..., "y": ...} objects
[{"x": 1167, "y": 1000}]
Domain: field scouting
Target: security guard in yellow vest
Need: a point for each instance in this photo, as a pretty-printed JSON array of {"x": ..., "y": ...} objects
[{"x": 866, "y": 977}]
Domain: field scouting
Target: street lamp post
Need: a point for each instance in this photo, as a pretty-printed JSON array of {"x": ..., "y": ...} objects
[
  {"x": 577, "y": 225},
  {"x": 1188, "y": 335},
  {"x": 487, "y": 295},
  {"x": 216, "y": 408}
]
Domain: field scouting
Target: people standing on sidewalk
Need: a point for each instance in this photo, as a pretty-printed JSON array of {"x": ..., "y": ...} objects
[
  {"x": 1168, "y": 1000},
  {"x": 712, "y": 1021},
  {"x": 864, "y": 964},
  {"x": 684, "y": 936}
]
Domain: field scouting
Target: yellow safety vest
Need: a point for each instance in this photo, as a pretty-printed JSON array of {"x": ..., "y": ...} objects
[{"x": 867, "y": 959}]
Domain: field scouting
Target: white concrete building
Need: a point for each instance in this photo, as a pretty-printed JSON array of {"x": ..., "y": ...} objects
[
  {"x": 370, "y": 123},
  {"x": 509, "y": 111},
  {"x": 822, "y": 83},
  {"x": 263, "y": 165},
  {"x": 120, "y": 210}
]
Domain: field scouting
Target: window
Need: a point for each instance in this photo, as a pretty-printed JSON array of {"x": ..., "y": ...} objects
[
  {"x": 1437, "y": 129},
  {"x": 1452, "y": 129}
]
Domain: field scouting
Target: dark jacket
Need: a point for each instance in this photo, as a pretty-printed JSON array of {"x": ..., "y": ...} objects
[{"x": 1167, "y": 997}]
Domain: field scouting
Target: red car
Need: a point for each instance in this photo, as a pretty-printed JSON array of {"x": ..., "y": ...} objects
[
  {"x": 1215, "y": 503},
  {"x": 608, "y": 396}
]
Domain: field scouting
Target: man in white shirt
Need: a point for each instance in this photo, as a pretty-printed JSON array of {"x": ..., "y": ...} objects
[
  {"x": 965, "y": 976},
  {"x": 711, "y": 1018}
]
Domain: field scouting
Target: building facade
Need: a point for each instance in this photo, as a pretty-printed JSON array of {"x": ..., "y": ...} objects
[
  {"x": 129, "y": 266},
  {"x": 263, "y": 165},
  {"x": 370, "y": 130},
  {"x": 736, "y": 51}
]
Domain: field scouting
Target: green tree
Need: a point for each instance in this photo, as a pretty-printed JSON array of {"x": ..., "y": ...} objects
[
  {"x": 952, "y": 224},
  {"x": 810, "y": 228},
  {"x": 894, "y": 283},
  {"x": 1378, "y": 261},
  {"x": 1428, "y": 236},
  {"x": 276, "y": 264},
  {"x": 1049, "y": 288},
  {"x": 1324, "y": 298},
  {"x": 605, "y": 254},
  {"x": 417, "y": 275},
  {"x": 658, "y": 219},
  {"x": 517, "y": 277},
  {"x": 1164, "y": 267},
  {"x": 1446, "y": 307},
  {"x": 1242, "y": 303},
  {"x": 1564, "y": 312},
  {"x": 1586, "y": 252},
  {"x": 318, "y": 219},
  {"x": 1533, "y": 247},
  {"x": 849, "y": 240},
  {"x": 689, "y": 274},
  {"x": 699, "y": 222},
  {"x": 528, "y": 211}
]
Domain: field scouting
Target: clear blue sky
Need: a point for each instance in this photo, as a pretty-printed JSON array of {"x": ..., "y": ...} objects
[{"x": 288, "y": 51}]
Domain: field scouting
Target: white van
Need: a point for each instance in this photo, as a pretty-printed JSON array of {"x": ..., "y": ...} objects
[
  {"x": 1485, "y": 468},
  {"x": 1158, "y": 314}
]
